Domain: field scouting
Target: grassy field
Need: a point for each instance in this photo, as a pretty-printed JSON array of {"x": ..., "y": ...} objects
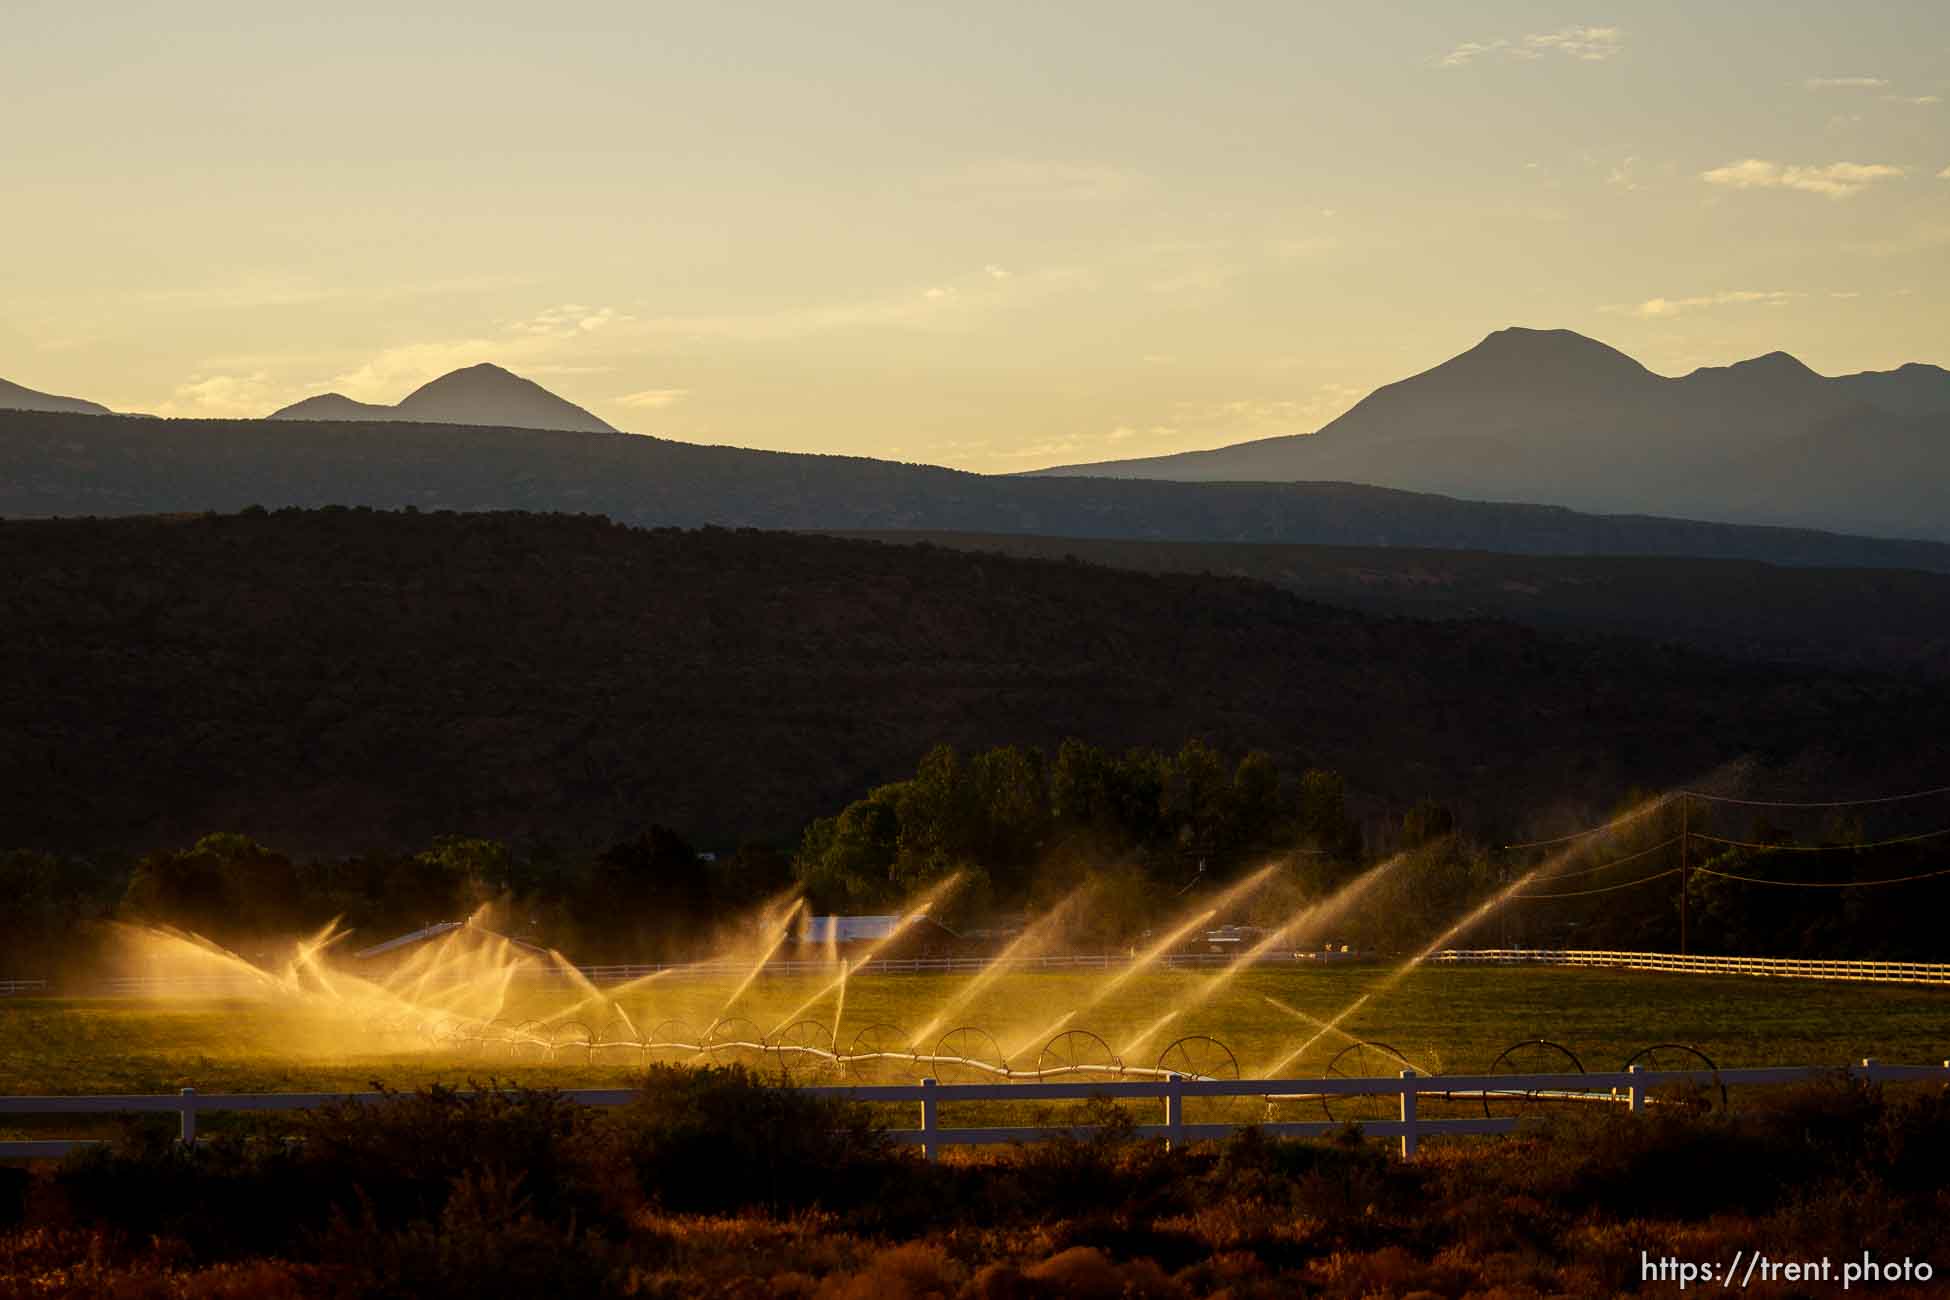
[{"x": 1453, "y": 1019}]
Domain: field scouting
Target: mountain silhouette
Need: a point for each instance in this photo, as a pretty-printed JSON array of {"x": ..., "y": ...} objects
[
  {"x": 54, "y": 464},
  {"x": 484, "y": 395},
  {"x": 15, "y": 398},
  {"x": 335, "y": 406},
  {"x": 1550, "y": 415}
]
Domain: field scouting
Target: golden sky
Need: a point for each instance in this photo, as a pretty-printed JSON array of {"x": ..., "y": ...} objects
[{"x": 1014, "y": 235}]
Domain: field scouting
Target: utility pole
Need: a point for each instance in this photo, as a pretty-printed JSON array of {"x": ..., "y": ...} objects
[{"x": 1685, "y": 809}]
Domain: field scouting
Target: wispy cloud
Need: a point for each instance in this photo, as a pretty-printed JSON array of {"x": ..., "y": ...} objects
[
  {"x": 219, "y": 397},
  {"x": 653, "y": 399},
  {"x": 1657, "y": 308},
  {"x": 569, "y": 320},
  {"x": 1123, "y": 441},
  {"x": 1584, "y": 44},
  {"x": 1846, "y": 83},
  {"x": 1918, "y": 101},
  {"x": 1838, "y": 180}
]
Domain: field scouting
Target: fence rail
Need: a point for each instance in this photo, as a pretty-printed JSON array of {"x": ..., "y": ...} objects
[
  {"x": 15, "y": 988},
  {"x": 1885, "y": 972},
  {"x": 1631, "y": 1088}
]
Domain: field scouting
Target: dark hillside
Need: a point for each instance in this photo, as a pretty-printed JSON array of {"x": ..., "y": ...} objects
[
  {"x": 52, "y": 464},
  {"x": 1886, "y": 620},
  {"x": 340, "y": 680}
]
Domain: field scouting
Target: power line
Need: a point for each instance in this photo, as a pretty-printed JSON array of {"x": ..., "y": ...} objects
[
  {"x": 1664, "y": 799},
  {"x": 1633, "y": 816},
  {"x": 1606, "y": 889},
  {"x": 1821, "y": 848},
  {"x": 1822, "y": 884},
  {"x": 1826, "y": 803},
  {"x": 1617, "y": 862}
]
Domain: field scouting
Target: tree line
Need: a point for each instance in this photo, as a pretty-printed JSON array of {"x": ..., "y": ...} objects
[{"x": 1022, "y": 829}]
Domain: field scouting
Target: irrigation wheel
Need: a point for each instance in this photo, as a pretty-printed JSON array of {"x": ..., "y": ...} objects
[
  {"x": 1364, "y": 1060},
  {"x": 1197, "y": 1056},
  {"x": 1532, "y": 1056},
  {"x": 570, "y": 1035},
  {"x": 734, "y": 1038},
  {"x": 1077, "y": 1053},
  {"x": 803, "y": 1051},
  {"x": 882, "y": 1054},
  {"x": 675, "y": 1040},
  {"x": 1679, "y": 1056},
  {"x": 530, "y": 1039},
  {"x": 489, "y": 1035},
  {"x": 619, "y": 1036},
  {"x": 968, "y": 1055}
]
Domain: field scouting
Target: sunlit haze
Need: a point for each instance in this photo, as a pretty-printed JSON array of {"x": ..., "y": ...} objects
[{"x": 1013, "y": 237}]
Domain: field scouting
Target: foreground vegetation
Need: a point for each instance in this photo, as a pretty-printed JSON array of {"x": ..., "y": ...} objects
[{"x": 714, "y": 1184}]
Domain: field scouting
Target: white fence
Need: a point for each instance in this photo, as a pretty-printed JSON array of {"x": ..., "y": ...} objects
[
  {"x": 1630, "y": 1088},
  {"x": 1885, "y": 972},
  {"x": 16, "y": 988}
]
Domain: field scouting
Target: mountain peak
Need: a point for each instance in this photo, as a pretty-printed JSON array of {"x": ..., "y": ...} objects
[
  {"x": 1550, "y": 347},
  {"x": 1555, "y": 362},
  {"x": 1769, "y": 370},
  {"x": 483, "y": 394},
  {"x": 1773, "y": 363},
  {"x": 332, "y": 406}
]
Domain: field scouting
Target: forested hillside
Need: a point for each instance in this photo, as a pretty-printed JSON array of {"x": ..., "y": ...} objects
[
  {"x": 345, "y": 680},
  {"x": 1894, "y": 620}
]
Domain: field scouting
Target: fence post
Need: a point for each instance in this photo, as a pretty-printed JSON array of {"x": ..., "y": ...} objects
[
  {"x": 1408, "y": 1114},
  {"x": 1637, "y": 1089},
  {"x": 187, "y": 1108},
  {"x": 928, "y": 1147},
  {"x": 1174, "y": 1112}
]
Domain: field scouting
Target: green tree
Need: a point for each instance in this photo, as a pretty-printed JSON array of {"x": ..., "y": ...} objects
[
  {"x": 226, "y": 886},
  {"x": 1324, "y": 824},
  {"x": 1425, "y": 822}
]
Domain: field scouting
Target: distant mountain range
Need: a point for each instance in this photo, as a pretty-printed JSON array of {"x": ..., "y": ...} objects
[
  {"x": 58, "y": 464},
  {"x": 15, "y": 398},
  {"x": 482, "y": 395},
  {"x": 1544, "y": 416},
  {"x": 1549, "y": 415}
]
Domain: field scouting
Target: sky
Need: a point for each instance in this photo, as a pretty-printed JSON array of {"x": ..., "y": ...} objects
[{"x": 992, "y": 236}]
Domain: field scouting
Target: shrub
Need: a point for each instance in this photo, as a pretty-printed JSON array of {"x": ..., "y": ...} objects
[
  {"x": 393, "y": 1163},
  {"x": 486, "y": 1243},
  {"x": 401, "y": 1158},
  {"x": 720, "y": 1139}
]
